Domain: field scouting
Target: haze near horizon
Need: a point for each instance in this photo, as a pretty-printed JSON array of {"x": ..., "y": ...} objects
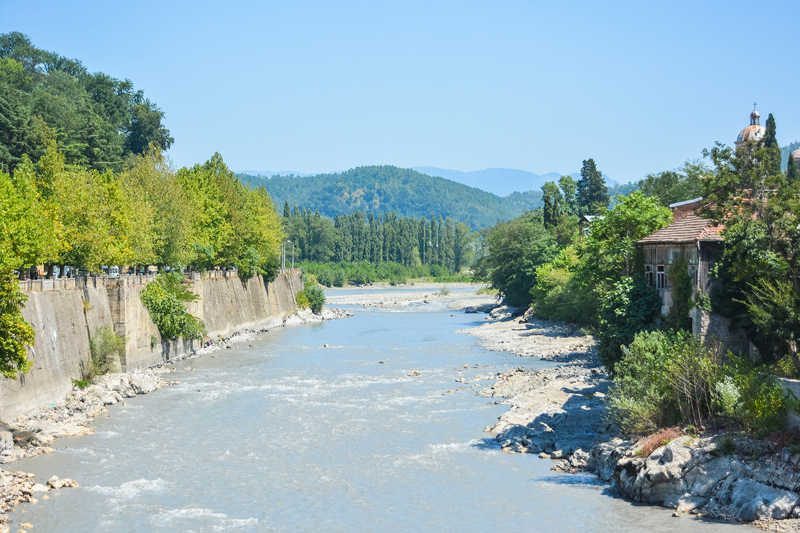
[{"x": 315, "y": 87}]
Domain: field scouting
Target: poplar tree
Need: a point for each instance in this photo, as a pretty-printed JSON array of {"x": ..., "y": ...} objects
[
  {"x": 792, "y": 172},
  {"x": 770, "y": 142}
]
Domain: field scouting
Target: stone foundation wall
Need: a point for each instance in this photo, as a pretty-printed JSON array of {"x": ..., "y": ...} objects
[
  {"x": 66, "y": 318},
  {"x": 715, "y": 332}
]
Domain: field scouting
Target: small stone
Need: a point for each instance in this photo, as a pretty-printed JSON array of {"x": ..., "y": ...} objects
[
  {"x": 413, "y": 373},
  {"x": 325, "y": 346}
]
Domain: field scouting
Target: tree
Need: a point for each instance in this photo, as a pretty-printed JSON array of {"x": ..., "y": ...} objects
[
  {"x": 678, "y": 316},
  {"x": 514, "y": 250},
  {"x": 16, "y": 334},
  {"x": 569, "y": 190},
  {"x": 672, "y": 186},
  {"x": 146, "y": 128},
  {"x": 610, "y": 248},
  {"x": 792, "y": 172},
  {"x": 552, "y": 204},
  {"x": 770, "y": 144},
  {"x": 592, "y": 190}
]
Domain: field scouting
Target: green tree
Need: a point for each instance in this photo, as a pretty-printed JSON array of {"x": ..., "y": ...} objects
[
  {"x": 569, "y": 190},
  {"x": 16, "y": 334},
  {"x": 770, "y": 145},
  {"x": 552, "y": 204},
  {"x": 592, "y": 191},
  {"x": 514, "y": 250},
  {"x": 146, "y": 128},
  {"x": 678, "y": 316},
  {"x": 792, "y": 172}
]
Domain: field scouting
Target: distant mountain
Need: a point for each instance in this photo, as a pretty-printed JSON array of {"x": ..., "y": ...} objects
[
  {"x": 383, "y": 189},
  {"x": 269, "y": 173},
  {"x": 499, "y": 181}
]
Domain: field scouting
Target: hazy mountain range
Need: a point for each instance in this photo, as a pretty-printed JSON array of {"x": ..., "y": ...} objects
[{"x": 498, "y": 181}]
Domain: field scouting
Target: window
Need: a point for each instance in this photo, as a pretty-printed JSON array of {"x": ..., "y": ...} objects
[
  {"x": 691, "y": 256},
  {"x": 674, "y": 253},
  {"x": 649, "y": 274},
  {"x": 661, "y": 277}
]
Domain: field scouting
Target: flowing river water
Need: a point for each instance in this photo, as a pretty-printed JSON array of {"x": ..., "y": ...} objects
[{"x": 288, "y": 435}]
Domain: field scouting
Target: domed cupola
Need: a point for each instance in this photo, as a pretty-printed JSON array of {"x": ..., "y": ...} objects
[{"x": 754, "y": 132}]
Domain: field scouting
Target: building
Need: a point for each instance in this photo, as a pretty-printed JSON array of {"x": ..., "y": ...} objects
[
  {"x": 754, "y": 132},
  {"x": 694, "y": 237}
]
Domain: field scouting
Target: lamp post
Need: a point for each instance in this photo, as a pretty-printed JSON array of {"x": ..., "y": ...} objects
[{"x": 292, "y": 254}]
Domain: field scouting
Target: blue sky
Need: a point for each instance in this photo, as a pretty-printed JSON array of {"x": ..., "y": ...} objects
[{"x": 539, "y": 86}]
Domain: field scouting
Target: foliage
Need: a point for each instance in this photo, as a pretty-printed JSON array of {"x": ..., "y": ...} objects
[
  {"x": 16, "y": 334},
  {"x": 97, "y": 120},
  {"x": 316, "y": 298},
  {"x": 592, "y": 192},
  {"x": 764, "y": 403},
  {"x": 174, "y": 283},
  {"x": 726, "y": 445},
  {"x": 625, "y": 310},
  {"x": 302, "y": 300},
  {"x": 678, "y": 315},
  {"x": 170, "y": 315},
  {"x": 649, "y": 444},
  {"x": 380, "y": 190},
  {"x": 610, "y": 250},
  {"x": 80, "y": 383},
  {"x": 559, "y": 293},
  {"x": 104, "y": 345},
  {"x": 673, "y": 186},
  {"x": 514, "y": 250}
]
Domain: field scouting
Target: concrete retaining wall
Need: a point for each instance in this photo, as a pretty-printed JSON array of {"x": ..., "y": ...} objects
[
  {"x": 66, "y": 318},
  {"x": 716, "y": 333}
]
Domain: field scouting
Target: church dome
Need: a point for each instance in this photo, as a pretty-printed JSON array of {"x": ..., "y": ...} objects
[{"x": 754, "y": 132}]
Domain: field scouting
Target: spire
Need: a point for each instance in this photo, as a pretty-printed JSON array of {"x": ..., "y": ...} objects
[{"x": 755, "y": 116}]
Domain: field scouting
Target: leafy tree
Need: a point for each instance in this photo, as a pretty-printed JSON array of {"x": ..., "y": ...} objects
[
  {"x": 792, "y": 172},
  {"x": 627, "y": 309},
  {"x": 569, "y": 190},
  {"x": 770, "y": 145},
  {"x": 170, "y": 315},
  {"x": 16, "y": 334},
  {"x": 514, "y": 250},
  {"x": 552, "y": 204},
  {"x": 678, "y": 315},
  {"x": 146, "y": 128},
  {"x": 673, "y": 186},
  {"x": 592, "y": 191},
  {"x": 610, "y": 248}
]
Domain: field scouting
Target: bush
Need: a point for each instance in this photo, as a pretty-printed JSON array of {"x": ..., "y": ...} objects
[
  {"x": 558, "y": 293},
  {"x": 662, "y": 379},
  {"x": 628, "y": 308},
  {"x": 444, "y": 290},
  {"x": 104, "y": 345},
  {"x": 661, "y": 438},
  {"x": 678, "y": 316},
  {"x": 316, "y": 298},
  {"x": 16, "y": 334},
  {"x": 170, "y": 315},
  {"x": 764, "y": 403},
  {"x": 302, "y": 300}
]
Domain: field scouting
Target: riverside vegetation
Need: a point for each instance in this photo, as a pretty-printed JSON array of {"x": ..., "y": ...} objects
[{"x": 663, "y": 377}]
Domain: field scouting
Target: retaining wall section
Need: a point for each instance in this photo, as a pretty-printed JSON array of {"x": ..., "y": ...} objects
[{"x": 66, "y": 315}]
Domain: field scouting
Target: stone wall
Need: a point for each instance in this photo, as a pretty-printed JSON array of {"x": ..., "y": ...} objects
[
  {"x": 716, "y": 333},
  {"x": 65, "y": 319}
]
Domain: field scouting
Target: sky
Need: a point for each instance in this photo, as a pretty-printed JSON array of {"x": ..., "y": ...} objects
[{"x": 313, "y": 87}]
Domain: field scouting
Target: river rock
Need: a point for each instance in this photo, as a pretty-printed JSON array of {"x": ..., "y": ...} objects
[
  {"x": 755, "y": 500},
  {"x": 6, "y": 440}
]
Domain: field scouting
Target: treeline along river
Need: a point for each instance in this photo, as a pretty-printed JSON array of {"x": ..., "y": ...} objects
[{"x": 285, "y": 434}]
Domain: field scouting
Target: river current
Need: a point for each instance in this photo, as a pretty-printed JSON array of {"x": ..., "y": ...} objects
[{"x": 288, "y": 435}]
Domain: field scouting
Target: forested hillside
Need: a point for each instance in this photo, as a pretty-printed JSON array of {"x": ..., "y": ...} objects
[
  {"x": 96, "y": 120},
  {"x": 386, "y": 189}
]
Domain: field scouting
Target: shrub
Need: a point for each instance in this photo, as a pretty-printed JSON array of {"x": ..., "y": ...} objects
[
  {"x": 315, "y": 296},
  {"x": 170, "y": 315},
  {"x": 444, "y": 290},
  {"x": 16, "y": 333},
  {"x": 765, "y": 404},
  {"x": 726, "y": 445},
  {"x": 104, "y": 345},
  {"x": 661, "y": 438},
  {"x": 628, "y": 308},
  {"x": 80, "y": 383},
  {"x": 678, "y": 315},
  {"x": 558, "y": 293},
  {"x": 302, "y": 300}
]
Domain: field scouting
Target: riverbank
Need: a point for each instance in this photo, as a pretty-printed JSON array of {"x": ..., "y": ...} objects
[
  {"x": 559, "y": 413},
  {"x": 455, "y": 296},
  {"x": 31, "y": 434}
]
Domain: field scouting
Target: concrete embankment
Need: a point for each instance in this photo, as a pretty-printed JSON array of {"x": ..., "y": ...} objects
[{"x": 66, "y": 313}]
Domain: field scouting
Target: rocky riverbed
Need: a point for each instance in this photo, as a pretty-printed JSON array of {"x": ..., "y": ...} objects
[
  {"x": 559, "y": 413},
  {"x": 455, "y": 296}
]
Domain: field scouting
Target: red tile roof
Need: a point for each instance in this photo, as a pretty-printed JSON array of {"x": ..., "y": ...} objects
[{"x": 690, "y": 228}]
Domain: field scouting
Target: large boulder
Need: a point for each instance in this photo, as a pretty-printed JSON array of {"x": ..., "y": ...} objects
[{"x": 755, "y": 500}]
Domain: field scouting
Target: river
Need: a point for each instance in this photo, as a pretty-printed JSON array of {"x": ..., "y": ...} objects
[{"x": 284, "y": 434}]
